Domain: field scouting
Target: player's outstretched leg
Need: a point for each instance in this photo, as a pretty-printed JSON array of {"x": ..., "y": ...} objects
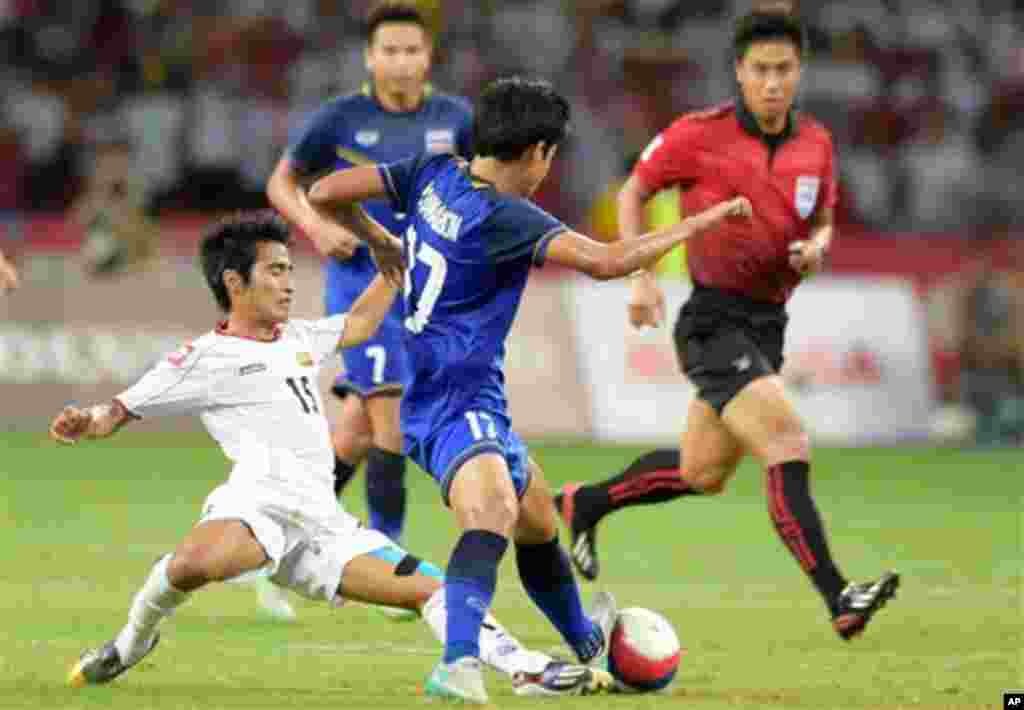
[
  {"x": 157, "y": 600},
  {"x": 482, "y": 496},
  {"x": 765, "y": 422},
  {"x": 652, "y": 478},
  {"x": 385, "y": 466},
  {"x": 212, "y": 551},
  {"x": 547, "y": 576},
  {"x": 392, "y": 577}
]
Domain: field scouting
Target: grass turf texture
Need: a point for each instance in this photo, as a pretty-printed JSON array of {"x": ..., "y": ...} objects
[{"x": 84, "y": 523}]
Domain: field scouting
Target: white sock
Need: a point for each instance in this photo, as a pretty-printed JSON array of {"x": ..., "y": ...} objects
[
  {"x": 156, "y": 600},
  {"x": 498, "y": 648}
]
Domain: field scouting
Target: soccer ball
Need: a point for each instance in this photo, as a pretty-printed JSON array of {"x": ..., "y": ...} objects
[{"x": 644, "y": 651}]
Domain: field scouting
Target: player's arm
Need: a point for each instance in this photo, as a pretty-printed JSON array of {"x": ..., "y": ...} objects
[
  {"x": 287, "y": 193},
  {"x": 808, "y": 257},
  {"x": 623, "y": 257},
  {"x": 8, "y": 274},
  {"x": 368, "y": 311},
  {"x": 339, "y": 193},
  {"x": 96, "y": 422},
  {"x": 666, "y": 161},
  {"x": 348, "y": 186}
]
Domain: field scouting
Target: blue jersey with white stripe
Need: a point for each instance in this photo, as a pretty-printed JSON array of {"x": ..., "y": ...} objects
[{"x": 469, "y": 250}]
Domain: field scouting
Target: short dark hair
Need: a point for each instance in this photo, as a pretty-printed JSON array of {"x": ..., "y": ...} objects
[
  {"x": 766, "y": 26},
  {"x": 514, "y": 113},
  {"x": 232, "y": 244},
  {"x": 393, "y": 11}
]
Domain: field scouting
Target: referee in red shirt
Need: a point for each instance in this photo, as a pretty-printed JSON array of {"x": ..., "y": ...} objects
[{"x": 729, "y": 335}]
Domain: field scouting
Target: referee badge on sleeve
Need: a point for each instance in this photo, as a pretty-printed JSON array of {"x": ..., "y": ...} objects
[{"x": 807, "y": 194}]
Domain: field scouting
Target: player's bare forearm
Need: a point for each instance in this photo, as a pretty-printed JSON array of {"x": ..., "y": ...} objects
[
  {"x": 623, "y": 257},
  {"x": 97, "y": 422},
  {"x": 8, "y": 274},
  {"x": 368, "y": 312},
  {"x": 632, "y": 213},
  {"x": 643, "y": 252},
  {"x": 355, "y": 218},
  {"x": 347, "y": 186},
  {"x": 285, "y": 193},
  {"x": 708, "y": 218},
  {"x": 823, "y": 229}
]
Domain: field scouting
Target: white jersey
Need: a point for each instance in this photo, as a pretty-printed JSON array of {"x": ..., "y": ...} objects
[{"x": 259, "y": 400}]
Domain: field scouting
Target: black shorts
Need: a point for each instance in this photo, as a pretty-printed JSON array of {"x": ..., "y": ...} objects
[{"x": 725, "y": 341}]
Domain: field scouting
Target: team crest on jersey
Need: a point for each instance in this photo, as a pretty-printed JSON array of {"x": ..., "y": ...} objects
[
  {"x": 177, "y": 358},
  {"x": 440, "y": 140},
  {"x": 807, "y": 194},
  {"x": 304, "y": 359},
  {"x": 367, "y": 137}
]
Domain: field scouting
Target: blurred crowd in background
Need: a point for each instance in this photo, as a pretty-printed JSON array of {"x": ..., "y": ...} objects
[
  {"x": 925, "y": 97},
  {"x": 121, "y": 110}
]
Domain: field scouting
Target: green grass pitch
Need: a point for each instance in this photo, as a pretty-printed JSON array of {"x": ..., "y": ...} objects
[{"x": 82, "y": 525}]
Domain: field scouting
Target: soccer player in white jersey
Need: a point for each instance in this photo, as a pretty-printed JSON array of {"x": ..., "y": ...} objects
[{"x": 252, "y": 380}]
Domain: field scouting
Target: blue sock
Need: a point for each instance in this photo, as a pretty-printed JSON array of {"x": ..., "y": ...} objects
[
  {"x": 385, "y": 491},
  {"x": 469, "y": 588},
  {"x": 547, "y": 578}
]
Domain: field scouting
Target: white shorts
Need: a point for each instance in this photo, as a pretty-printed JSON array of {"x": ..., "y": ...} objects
[{"x": 308, "y": 547}]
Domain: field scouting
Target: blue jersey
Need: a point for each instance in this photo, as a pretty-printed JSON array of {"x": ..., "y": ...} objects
[
  {"x": 356, "y": 130},
  {"x": 469, "y": 251}
]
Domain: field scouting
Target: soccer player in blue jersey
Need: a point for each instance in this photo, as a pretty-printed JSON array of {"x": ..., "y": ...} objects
[
  {"x": 472, "y": 238},
  {"x": 393, "y": 116}
]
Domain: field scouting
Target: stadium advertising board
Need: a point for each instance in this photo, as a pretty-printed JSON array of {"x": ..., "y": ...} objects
[
  {"x": 857, "y": 362},
  {"x": 64, "y": 337}
]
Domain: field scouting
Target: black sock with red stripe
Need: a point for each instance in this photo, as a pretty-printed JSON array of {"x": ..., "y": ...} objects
[
  {"x": 652, "y": 478},
  {"x": 799, "y": 525}
]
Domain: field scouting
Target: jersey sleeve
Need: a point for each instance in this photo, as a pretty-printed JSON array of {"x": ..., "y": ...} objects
[
  {"x": 520, "y": 228},
  {"x": 181, "y": 383},
  {"x": 323, "y": 334},
  {"x": 400, "y": 179},
  {"x": 312, "y": 149},
  {"x": 671, "y": 157}
]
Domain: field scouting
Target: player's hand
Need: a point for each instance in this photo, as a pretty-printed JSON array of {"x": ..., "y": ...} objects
[
  {"x": 806, "y": 258},
  {"x": 337, "y": 243},
  {"x": 70, "y": 425},
  {"x": 387, "y": 255},
  {"x": 739, "y": 207},
  {"x": 646, "y": 303},
  {"x": 8, "y": 275}
]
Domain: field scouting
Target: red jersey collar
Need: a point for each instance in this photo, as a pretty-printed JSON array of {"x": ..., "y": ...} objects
[
  {"x": 222, "y": 327},
  {"x": 749, "y": 124}
]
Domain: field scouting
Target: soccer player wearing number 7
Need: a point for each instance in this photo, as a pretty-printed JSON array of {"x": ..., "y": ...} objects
[
  {"x": 473, "y": 238},
  {"x": 252, "y": 380}
]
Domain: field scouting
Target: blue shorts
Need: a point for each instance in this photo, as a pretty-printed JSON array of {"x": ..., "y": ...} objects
[
  {"x": 464, "y": 437},
  {"x": 379, "y": 365}
]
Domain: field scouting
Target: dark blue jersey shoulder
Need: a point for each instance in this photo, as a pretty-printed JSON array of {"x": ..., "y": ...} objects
[{"x": 355, "y": 129}]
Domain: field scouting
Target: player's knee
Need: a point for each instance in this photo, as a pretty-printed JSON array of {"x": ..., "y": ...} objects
[
  {"x": 792, "y": 445},
  {"x": 497, "y": 513},
  {"x": 708, "y": 480}
]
